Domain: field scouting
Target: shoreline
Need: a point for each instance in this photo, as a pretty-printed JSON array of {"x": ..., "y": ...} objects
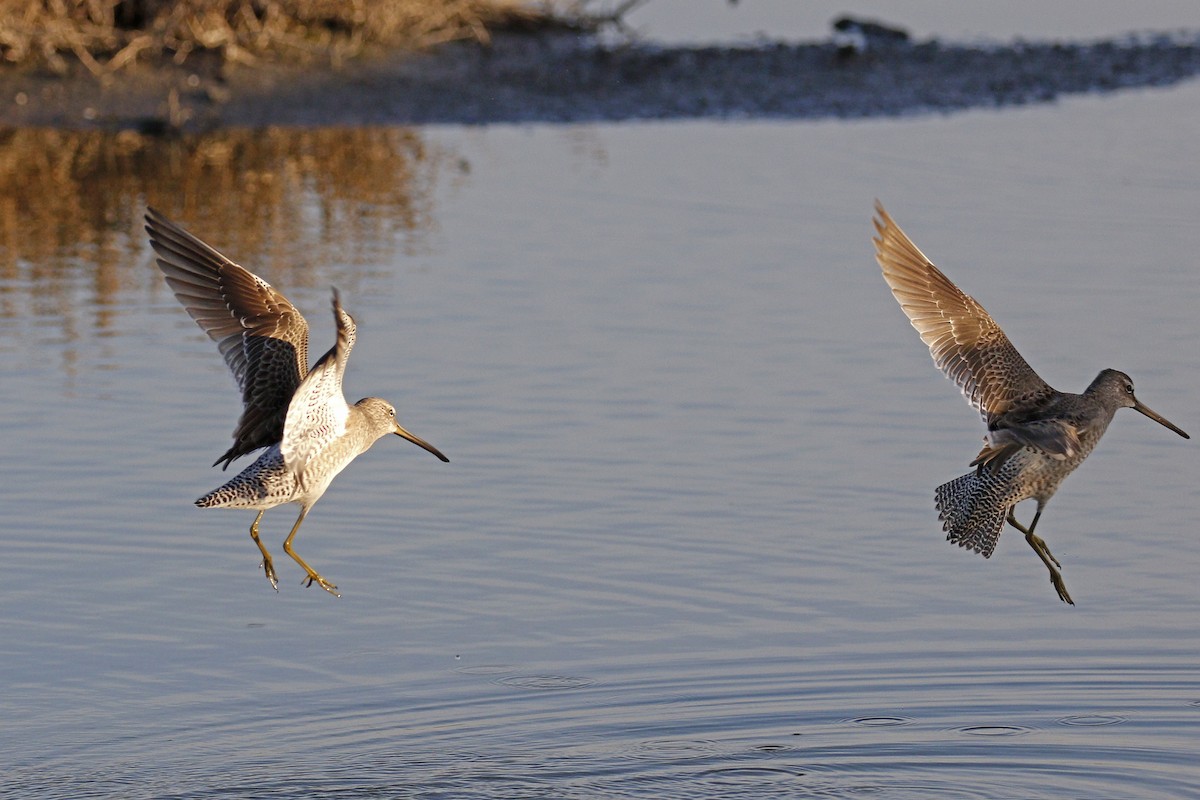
[{"x": 568, "y": 78}]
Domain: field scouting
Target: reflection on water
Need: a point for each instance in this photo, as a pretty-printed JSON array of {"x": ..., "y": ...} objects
[
  {"x": 71, "y": 204},
  {"x": 304, "y": 204}
]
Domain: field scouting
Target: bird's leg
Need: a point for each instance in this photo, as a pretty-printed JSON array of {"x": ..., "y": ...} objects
[
  {"x": 313, "y": 575},
  {"x": 1036, "y": 542},
  {"x": 1043, "y": 552},
  {"x": 267, "y": 566}
]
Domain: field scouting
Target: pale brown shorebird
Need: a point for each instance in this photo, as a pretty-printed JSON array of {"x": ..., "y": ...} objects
[
  {"x": 1036, "y": 436},
  {"x": 299, "y": 415}
]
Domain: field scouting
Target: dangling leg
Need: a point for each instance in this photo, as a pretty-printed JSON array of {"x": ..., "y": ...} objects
[
  {"x": 312, "y": 573},
  {"x": 1039, "y": 546},
  {"x": 267, "y": 566},
  {"x": 1036, "y": 542}
]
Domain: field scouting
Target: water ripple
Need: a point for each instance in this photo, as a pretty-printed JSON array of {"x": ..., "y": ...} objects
[
  {"x": 545, "y": 682},
  {"x": 881, "y": 722},
  {"x": 1092, "y": 720},
  {"x": 669, "y": 749},
  {"x": 485, "y": 669},
  {"x": 994, "y": 730},
  {"x": 683, "y": 730},
  {"x": 743, "y": 776}
]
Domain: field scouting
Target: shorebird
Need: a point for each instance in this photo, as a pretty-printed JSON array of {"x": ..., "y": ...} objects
[
  {"x": 1036, "y": 436},
  {"x": 299, "y": 415}
]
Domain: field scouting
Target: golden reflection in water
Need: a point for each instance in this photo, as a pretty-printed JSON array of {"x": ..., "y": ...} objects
[{"x": 283, "y": 200}]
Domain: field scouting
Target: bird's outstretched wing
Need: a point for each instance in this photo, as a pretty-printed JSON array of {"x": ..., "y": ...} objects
[
  {"x": 317, "y": 414},
  {"x": 261, "y": 335},
  {"x": 966, "y": 343}
]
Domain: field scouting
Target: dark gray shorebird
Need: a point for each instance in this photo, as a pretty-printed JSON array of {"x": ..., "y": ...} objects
[
  {"x": 1036, "y": 436},
  {"x": 299, "y": 415}
]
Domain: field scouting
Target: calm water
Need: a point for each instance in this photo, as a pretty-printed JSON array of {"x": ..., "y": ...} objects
[
  {"x": 685, "y": 546},
  {"x": 721, "y": 20}
]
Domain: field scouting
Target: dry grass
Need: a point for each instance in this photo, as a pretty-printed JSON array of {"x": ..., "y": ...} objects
[{"x": 106, "y": 35}]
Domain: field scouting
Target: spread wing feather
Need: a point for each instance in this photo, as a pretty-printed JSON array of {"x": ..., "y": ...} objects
[
  {"x": 262, "y": 337},
  {"x": 966, "y": 343}
]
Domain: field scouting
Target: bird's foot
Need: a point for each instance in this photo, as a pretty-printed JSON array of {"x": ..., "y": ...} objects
[
  {"x": 1060, "y": 587},
  {"x": 269, "y": 569},
  {"x": 324, "y": 584}
]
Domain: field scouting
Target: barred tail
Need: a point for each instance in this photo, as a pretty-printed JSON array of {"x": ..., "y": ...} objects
[
  {"x": 213, "y": 499},
  {"x": 972, "y": 512}
]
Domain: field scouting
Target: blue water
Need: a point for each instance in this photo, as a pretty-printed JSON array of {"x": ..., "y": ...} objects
[{"x": 685, "y": 545}]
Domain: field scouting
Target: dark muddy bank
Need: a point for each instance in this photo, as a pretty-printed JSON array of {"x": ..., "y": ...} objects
[{"x": 566, "y": 78}]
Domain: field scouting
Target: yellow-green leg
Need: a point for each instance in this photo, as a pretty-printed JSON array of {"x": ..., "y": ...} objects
[
  {"x": 313, "y": 575},
  {"x": 1039, "y": 546},
  {"x": 267, "y": 566}
]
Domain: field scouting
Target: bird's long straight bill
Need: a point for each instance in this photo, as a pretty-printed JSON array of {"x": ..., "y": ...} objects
[
  {"x": 419, "y": 442},
  {"x": 1160, "y": 420}
]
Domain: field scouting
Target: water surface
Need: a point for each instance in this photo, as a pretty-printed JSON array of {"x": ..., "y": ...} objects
[{"x": 685, "y": 545}]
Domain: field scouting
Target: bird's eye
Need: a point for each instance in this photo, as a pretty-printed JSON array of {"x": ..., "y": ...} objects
[{"x": 1129, "y": 388}]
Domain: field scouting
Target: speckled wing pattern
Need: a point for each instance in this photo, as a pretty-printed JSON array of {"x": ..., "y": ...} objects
[
  {"x": 262, "y": 337},
  {"x": 966, "y": 343},
  {"x": 316, "y": 417}
]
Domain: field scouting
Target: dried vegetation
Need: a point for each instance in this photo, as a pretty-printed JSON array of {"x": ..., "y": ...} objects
[{"x": 106, "y": 35}]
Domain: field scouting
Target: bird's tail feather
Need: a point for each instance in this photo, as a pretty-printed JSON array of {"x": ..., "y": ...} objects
[{"x": 972, "y": 512}]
